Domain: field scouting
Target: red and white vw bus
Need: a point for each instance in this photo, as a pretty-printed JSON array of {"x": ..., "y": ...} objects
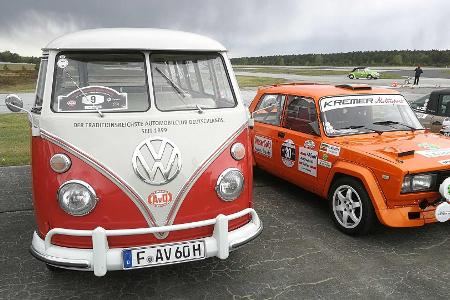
[{"x": 140, "y": 151}]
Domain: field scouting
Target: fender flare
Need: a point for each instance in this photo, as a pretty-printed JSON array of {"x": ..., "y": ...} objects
[{"x": 365, "y": 176}]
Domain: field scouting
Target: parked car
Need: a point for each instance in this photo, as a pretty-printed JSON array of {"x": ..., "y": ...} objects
[
  {"x": 362, "y": 148},
  {"x": 433, "y": 110},
  {"x": 363, "y": 72},
  {"x": 140, "y": 151}
]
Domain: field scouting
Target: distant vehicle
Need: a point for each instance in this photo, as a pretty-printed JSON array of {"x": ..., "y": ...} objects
[
  {"x": 433, "y": 110},
  {"x": 361, "y": 147},
  {"x": 363, "y": 72}
]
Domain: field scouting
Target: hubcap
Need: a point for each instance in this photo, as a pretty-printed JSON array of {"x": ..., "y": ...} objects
[{"x": 347, "y": 206}]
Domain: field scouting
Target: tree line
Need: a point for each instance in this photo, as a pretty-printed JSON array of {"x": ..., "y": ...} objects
[
  {"x": 437, "y": 58},
  {"x": 7, "y": 56}
]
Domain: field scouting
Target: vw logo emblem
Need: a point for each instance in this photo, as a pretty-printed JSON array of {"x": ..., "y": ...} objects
[{"x": 156, "y": 161}]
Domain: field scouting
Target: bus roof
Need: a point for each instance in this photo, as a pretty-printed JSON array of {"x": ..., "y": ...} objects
[{"x": 134, "y": 39}]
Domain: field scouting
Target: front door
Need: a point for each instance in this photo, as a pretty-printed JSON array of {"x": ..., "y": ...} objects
[
  {"x": 298, "y": 143},
  {"x": 267, "y": 115}
]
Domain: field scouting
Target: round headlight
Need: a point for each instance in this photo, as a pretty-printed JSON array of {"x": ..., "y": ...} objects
[
  {"x": 60, "y": 163},
  {"x": 77, "y": 198},
  {"x": 237, "y": 151},
  {"x": 230, "y": 184}
]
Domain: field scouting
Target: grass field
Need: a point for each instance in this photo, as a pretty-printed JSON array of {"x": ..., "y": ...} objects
[
  {"x": 305, "y": 72},
  {"x": 253, "y": 81},
  {"x": 14, "y": 140},
  {"x": 17, "y": 81}
]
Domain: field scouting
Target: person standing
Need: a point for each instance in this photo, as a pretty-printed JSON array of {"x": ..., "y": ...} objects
[{"x": 418, "y": 71}]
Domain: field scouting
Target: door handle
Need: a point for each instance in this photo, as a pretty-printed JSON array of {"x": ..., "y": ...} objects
[
  {"x": 436, "y": 123},
  {"x": 281, "y": 134}
]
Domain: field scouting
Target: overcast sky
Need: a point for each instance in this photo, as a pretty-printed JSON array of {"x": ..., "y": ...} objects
[{"x": 245, "y": 27}]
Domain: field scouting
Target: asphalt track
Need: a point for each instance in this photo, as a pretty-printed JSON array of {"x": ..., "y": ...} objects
[{"x": 299, "y": 255}]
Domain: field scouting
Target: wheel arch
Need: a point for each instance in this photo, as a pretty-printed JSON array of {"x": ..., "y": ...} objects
[{"x": 364, "y": 175}]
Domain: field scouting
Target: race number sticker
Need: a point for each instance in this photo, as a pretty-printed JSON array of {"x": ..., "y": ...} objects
[
  {"x": 331, "y": 103},
  {"x": 263, "y": 146},
  {"x": 324, "y": 163},
  {"x": 435, "y": 152},
  {"x": 91, "y": 98},
  {"x": 288, "y": 153},
  {"x": 307, "y": 161},
  {"x": 330, "y": 149}
]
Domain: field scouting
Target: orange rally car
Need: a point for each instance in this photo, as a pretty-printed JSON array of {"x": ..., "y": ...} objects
[{"x": 361, "y": 147}]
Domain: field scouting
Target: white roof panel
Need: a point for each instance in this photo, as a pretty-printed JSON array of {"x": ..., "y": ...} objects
[{"x": 134, "y": 38}]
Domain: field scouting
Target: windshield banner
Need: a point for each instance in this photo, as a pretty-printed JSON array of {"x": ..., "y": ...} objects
[{"x": 331, "y": 103}]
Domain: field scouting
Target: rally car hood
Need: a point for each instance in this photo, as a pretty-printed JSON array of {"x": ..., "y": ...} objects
[{"x": 412, "y": 151}]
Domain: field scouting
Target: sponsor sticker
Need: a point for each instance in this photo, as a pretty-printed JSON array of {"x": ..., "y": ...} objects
[
  {"x": 445, "y": 162},
  {"x": 263, "y": 145},
  {"x": 330, "y": 149},
  {"x": 325, "y": 156},
  {"x": 288, "y": 153},
  {"x": 307, "y": 161},
  {"x": 428, "y": 146},
  {"x": 324, "y": 163},
  {"x": 434, "y": 152},
  {"x": 310, "y": 144},
  {"x": 353, "y": 101},
  {"x": 62, "y": 62},
  {"x": 160, "y": 198}
]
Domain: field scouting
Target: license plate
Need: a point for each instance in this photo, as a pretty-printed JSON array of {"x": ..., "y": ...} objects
[{"x": 163, "y": 254}]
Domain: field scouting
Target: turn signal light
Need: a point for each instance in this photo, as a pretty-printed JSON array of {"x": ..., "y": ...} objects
[
  {"x": 237, "y": 151},
  {"x": 60, "y": 163}
]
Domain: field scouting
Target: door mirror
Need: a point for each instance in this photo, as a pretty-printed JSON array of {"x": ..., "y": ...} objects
[
  {"x": 14, "y": 103},
  {"x": 315, "y": 128}
]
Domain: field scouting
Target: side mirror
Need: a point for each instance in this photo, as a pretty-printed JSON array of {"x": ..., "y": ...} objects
[{"x": 14, "y": 103}]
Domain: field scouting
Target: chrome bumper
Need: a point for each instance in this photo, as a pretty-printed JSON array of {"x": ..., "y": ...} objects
[{"x": 101, "y": 258}]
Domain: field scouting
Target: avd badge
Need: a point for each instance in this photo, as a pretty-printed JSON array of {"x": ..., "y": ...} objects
[{"x": 288, "y": 153}]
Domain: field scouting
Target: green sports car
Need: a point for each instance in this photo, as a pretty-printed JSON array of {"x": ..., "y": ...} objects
[{"x": 363, "y": 72}]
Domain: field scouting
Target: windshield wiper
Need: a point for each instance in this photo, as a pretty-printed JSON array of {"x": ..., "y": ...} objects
[
  {"x": 176, "y": 87},
  {"x": 362, "y": 126},
  {"x": 390, "y": 123},
  {"x": 354, "y": 127}
]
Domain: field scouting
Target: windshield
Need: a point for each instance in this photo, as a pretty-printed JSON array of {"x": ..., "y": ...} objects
[
  {"x": 190, "y": 81},
  {"x": 348, "y": 115},
  {"x": 92, "y": 81}
]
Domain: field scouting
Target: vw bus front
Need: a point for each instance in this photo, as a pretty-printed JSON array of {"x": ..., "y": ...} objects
[{"x": 140, "y": 152}]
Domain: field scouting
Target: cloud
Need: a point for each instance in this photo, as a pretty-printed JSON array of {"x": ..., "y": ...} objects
[
  {"x": 245, "y": 27},
  {"x": 32, "y": 30}
]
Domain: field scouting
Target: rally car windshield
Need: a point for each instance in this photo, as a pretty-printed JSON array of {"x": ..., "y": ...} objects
[
  {"x": 190, "y": 81},
  {"x": 349, "y": 115}
]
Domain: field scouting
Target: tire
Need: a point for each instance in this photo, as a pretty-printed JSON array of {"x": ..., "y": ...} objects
[
  {"x": 351, "y": 76},
  {"x": 352, "y": 213},
  {"x": 369, "y": 77}
]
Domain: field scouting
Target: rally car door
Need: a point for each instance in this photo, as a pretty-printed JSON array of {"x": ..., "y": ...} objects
[
  {"x": 299, "y": 142},
  {"x": 267, "y": 116}
]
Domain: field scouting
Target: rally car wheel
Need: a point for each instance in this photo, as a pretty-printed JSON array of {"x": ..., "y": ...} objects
[
  {"x": 351, "y": 76},
  {"x": 369, "y": 77},
  {"x": 350, "y": 207}
]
